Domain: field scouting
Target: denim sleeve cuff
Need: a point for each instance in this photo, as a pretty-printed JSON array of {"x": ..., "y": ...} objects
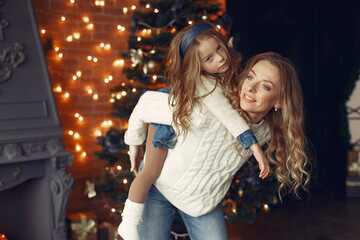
[{"x": 247, "y": 139}]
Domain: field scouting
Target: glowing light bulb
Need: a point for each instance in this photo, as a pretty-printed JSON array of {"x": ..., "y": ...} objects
[
  {"x": 125, "y": 181},
  {"x": 98, "y": 133},
  {"x": 60, "y": 55},
  {"x": 133, "y": 90},
  {"x": 78, "y": 73},
  {"x": 133, "y": 7},
  {"x": 81, "y": 118},
  {"x": 190, "y": 22},
  {"x": 90, "y": 26},
  {"x": 118, "y": 96},
  {"x": 112, "y": 100},
  {"x": 71, "y": 133},
  {"x": 138, "y": 39},
  {"x": 77, "y": 115},
  {"x": 125, "y": 10},
  {"x": 113, "y": 210},
  {"x": 69, "y": 38},
  {"x": 72, "y": 1},
  {"x": 83, "y": 154},
  {"x": 123, "y": 93},
  {"x": 57, "y": 49},
  {"x": 156, "y": 10},
  {"x": 107, "y": 47},
  {"x": 76, "y": 35},
  {"x": 86, "y": 19},
  {"x": 77, "y": 135},
  {"x": 204, "y": 17},
  {"x": 74, "y": 77},
  {"x": 147, "y": 5},
  {"x": 95, "y": 96},
  {"x": 110, "y": 77},
  {"x": 89, "y": 58},
  {"x": 63, "y": 18},
  {"x": 90, "y": 91},
  {"x": 102, "y": 45},
  {"x": 95, "y": 59},
  {"x": 106, "y": 80},
  {"x": 118, "y": 167},
  {"x": 43, "y": 31},
  {"x": 118, "y": 63},
  {"x": 266, "y": 207},
  {"x": 77, "y": 147},
  {"x": 58, "y": 89},
  {"x": 218, "y": 26},
  {"x": 67, "y": 95}
]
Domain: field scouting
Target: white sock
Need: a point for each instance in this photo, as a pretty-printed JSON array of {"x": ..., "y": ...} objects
[{"x": 131, "y": 218}]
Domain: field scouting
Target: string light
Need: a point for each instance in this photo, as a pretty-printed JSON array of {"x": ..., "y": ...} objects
[
  {"x": 118, "y": 63},
  {"x": 57, "y": 49},
  {"x": 125, "y": 10},
  {"x": 72, "y": 1},
  {"x": 133, "y": 7},
  {"x": 266, "y": 207},
  {"x": 74, "y": 77},
  {"x": 86, "y": 19},
  {"x": 190, "y": 22},
  {"x": 156, "y": 10},
  {"x": 70, "y": 132},
  {"x": 77, "y": 115},
  {"x": 118, "y": 167},
  {"x": 125, "y": 181},
  {"x": 100, "y": 3},
  {"x": 95, "y": 96},
  {"x": 76, "y": 35},
  {"x": 98, "y": 133},
  {"x": 90, "y": 26},
  {"x": 77, "y": 147},
  {"x": 78, "y": 73},
  {"x": 147, "y": 5},
  {"x": 138, "y": 39},
  {"x": 90, "y": 91},
  {"x": 66, "y": 94},
  {"x": 121, "y": 28},
  {"x": 83, "y": 154},
  {"x": 63, "y": 19},
  {"x": 58, "y": 89},
  {"x": 43, "y": 31},
  {"x": 60, "y": 55},
  {"x": 76, "y": 135},
  {"x": 69, "y": 38},
  {"x": 218, "y": 26}
]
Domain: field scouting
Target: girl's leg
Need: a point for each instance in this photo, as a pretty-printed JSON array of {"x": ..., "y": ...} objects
[
  {"x": 210, "y": 226},
  {"x": 154, "y": 162},
  {"x": 157, "y": 218}
]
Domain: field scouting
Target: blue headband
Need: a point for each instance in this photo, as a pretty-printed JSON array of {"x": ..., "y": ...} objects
[{"x": 191, "y": 34}]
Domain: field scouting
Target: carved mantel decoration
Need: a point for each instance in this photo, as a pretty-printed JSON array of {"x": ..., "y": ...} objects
[{"x": 34, "y": 184}]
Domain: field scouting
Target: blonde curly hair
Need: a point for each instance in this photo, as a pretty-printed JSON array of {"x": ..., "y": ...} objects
[{"x": 287, "y": 149}]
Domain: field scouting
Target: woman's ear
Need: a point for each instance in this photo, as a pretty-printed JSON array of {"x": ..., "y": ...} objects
[
  {"x": 230, "y": 42},
  {"x": 277, "y": 106}
]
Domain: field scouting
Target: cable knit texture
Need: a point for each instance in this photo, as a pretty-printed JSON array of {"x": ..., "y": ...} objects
[{"x": 197, "y": 173}]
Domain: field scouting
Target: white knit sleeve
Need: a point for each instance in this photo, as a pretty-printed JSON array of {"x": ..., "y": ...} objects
[
  {"x": 219, "y": 105},
  {"x": 152, "y": 107}
]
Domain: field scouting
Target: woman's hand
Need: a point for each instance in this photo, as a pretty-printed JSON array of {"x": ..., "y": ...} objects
[
  {"x": 136, "y": 153},
  {"x": 261, "y": 159}
]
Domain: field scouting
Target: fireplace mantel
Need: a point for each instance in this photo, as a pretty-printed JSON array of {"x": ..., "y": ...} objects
[{"x": 34, "y": 184}]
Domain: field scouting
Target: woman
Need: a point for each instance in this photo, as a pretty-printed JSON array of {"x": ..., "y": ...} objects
[{"x": 198, "y": 171}]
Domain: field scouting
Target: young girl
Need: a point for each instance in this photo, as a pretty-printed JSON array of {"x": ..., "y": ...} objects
[
  {"x": 202, "y": 72},
  {"x": 197, "y": 173}
]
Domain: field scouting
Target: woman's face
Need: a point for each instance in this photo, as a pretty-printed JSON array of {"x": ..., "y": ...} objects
[{"x": 260, "y": 91}]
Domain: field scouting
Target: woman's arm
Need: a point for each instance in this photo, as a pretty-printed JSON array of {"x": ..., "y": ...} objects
[{"x": 152, "y": 107}]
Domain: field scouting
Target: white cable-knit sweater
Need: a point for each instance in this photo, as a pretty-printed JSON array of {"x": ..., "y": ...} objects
[{"x": 197, "y": 173}]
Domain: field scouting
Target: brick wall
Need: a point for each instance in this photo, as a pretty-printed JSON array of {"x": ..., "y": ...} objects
[{"x": 75, "y": 53}]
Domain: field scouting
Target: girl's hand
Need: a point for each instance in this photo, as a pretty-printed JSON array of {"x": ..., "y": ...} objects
[
  {"x": 136, "y": 153},
  {"x": 261, "y": 159}
]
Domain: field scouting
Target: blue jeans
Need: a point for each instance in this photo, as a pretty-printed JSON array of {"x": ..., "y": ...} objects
[{"x": 158, "y": 217}]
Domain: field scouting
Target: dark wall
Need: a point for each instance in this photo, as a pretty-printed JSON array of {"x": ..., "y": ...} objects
[{"x": 322, "y": 39}]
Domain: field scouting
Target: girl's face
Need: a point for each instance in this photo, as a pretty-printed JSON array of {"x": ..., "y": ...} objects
[
  {"x": 260, "y": 91},
  {"x": 213, "y": 58}
]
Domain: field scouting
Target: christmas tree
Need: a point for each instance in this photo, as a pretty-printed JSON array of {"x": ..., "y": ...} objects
[{"x": 154, "y": 24}]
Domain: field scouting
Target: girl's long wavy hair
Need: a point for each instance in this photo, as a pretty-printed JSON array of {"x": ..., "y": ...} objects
[
  {"x": 287, "y": 150},
  {"x": 183, "y": 74}
]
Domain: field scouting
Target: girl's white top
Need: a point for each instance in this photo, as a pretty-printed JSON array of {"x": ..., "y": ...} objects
[{"x": 197, "y": 173}]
